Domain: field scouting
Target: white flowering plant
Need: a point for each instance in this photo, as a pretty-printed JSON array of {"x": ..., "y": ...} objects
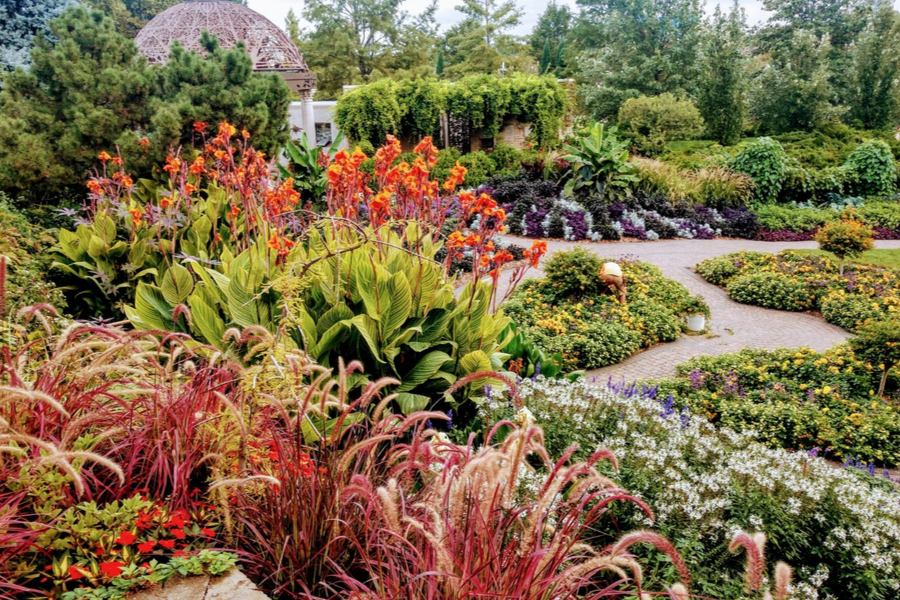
[{"x": 838, "y": 528}]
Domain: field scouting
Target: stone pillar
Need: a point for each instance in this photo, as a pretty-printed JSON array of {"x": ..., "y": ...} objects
[{"x": 309, "y": 117}]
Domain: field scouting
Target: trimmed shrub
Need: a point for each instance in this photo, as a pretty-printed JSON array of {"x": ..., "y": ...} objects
[
  {"x": 654, "y": 121},
  {"x": 872, "y": 167},
  {"x": 574, "y": 272},
  {"x": 771, "y": 290},
  {"x": 766, "y": 162}
]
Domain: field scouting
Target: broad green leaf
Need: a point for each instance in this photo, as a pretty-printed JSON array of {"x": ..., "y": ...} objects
[
  {"x": 70, "y": 245},
  {"x": 424, "y": 370},
  {"x": 410, "y": 403},
  {"x": 177, "y": 284},
  {"x": 368, "y": 328},
  {"x": 401, "y": 305},
  {"x": 151, "y": 311},
  {"x": 205, "y": 320},
  {"x": 105, "y": 227},
  {"x": 336, "y": 314}
]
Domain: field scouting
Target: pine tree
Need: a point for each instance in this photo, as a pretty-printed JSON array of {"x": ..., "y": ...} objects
[
  {"x": 93, "y": 92},
  {"x": 876, "y": 70},
  {"x": 20, "y": 21},
  {"x": 720, "y": 96},
  {"x": 545, "y": 57},
  {"x": 78, "y": 98}
]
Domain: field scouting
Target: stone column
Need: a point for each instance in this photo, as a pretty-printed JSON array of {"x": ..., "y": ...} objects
[{"x": 309, "y": 117}]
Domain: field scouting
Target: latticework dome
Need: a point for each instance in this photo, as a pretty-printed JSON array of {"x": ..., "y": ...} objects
[{"x": 268, "y": 46}]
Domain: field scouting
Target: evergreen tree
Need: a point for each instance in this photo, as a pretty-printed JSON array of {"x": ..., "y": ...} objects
[
  {"x": 439, "y": 67},
  {"x": 552, "y": 26},
  {"x": 720, "y": 96},
  {"x": 640, "y": 47},
  {"x": 131, "y": 15},
  {"x": 79, "y": 98},
  {"x": 876, "y": 71},
  {"x": 20, "y": 21},
  {"x": 482, "y": 42},
  {"x": 545, "y": 57},
  {"x": 92, "y": 92},
  {"x": 559, "y": 60},
  {"x": 793, "y": 91}
]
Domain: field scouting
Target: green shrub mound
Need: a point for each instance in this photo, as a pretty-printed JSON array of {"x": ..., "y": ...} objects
[
  {"x": 795, "y": 398},
  {"x": 572, "y": 312},
  {"x": 770, "y": 290},
  {"x": 797, "y": 282}
]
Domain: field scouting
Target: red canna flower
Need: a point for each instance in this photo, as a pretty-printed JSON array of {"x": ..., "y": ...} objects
[{"x": 111, "y": 569}]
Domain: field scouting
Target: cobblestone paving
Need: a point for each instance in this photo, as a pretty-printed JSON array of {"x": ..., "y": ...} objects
[{"x": 733, "y": 326}]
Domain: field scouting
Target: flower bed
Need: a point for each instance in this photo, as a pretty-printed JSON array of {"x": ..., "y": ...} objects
[
  {"x": 586, "y": 324},
  {"x": 792, "y": 281},
  {"x": 799, "y": 399},
  {"x": 839, "y": 528}
]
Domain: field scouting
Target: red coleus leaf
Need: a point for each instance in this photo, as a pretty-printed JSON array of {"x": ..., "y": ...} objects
[
  {"x": 125, "y": 538},
  {"x": 111, "y": 569}
]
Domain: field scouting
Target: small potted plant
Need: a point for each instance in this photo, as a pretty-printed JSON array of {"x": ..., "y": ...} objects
[{"x": 696, "y": 311}]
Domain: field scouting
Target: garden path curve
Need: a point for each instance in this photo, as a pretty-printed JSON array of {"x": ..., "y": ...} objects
[{"x": 733, "y": 326}]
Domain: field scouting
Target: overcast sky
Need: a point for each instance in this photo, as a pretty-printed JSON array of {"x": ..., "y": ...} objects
[{"x": 276, "y": 10}]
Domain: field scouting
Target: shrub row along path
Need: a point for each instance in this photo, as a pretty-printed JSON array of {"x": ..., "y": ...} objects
[{"x": 733, "y": 326}]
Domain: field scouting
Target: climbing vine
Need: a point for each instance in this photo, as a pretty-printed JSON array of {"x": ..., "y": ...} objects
[{"x": 412, "y": 108}]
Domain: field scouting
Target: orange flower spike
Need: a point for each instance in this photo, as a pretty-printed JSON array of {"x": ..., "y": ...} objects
[
  {"x": 173, "y": 165},
  {"x": 489, "y": 246},
  {"x": 136, "y": 216},
  {"x": 127, "y": 181},
  {"x": 165, "y": 203},
  {"x": 94, "y": 186},
  {"x": 227, "y": 129},
  {"x": 104, "y": 156},
  {"x": 484, "y": 261},
  {"x": 245, "y": 134},
  {"x": 274, "y": 242},
  {"x": 144, "y": 143},
  {"x": 200, "y": 126},
  {"x": 117, "y": 160},
  {"x": 189, "y": 189},
  {"x": 198, "y": 166},
  {"x": 358, "y": 158}
]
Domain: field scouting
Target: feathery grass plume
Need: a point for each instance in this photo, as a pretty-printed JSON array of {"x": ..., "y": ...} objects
[
  {"x": 755, "y": 558},
  {"x": 783, "y": 577},
  {"x": 467, "y": 536},
  {"x": 660, "y": 543},
  {"x": 679, "y": 592}
]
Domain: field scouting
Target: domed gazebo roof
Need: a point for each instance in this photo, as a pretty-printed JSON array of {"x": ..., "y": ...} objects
[{"x": 269, "y": 48}]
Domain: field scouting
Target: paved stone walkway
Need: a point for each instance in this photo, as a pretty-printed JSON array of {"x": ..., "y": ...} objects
[{"x": 733, "y": 326}]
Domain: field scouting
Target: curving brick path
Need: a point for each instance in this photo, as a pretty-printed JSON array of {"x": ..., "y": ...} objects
[{"x": 733, "y": 326}]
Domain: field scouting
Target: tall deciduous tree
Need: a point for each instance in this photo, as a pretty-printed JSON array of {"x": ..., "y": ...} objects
[
  {"x": 641, "y": 47},
  {"x": 20, "y": 21},
  {"x": 840, "y": 20},
  {"x": 792, "y": 92},
  {"x": 876, "y": 70},
  {"x": 720, "y": 96},
  {"x": 358, "y": 41}
]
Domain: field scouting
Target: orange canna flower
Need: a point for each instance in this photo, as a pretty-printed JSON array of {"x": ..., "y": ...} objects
[
  {"x": 117, "y": 160},
  {"x": 136, "y": 216},
  {"x": 189, "y": 189},
  {"x": 245, "y": 134},
  {"x": 198, "y": 166},
  {"x": 165, "y": 202},
  {"x": 94, "y": 186},
  {"x": 104, "y": 156},
  {"x": 173, "y": 165},
  {"x": 144, "y": 143},
  {"x": 200, "y": 126}
]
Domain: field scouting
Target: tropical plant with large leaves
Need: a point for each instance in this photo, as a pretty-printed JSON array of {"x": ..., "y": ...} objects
[
  {"x": 308, "y": 165},
  {"x": 599, "y": 165}
]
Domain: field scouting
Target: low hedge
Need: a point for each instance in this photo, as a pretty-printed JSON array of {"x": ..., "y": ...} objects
[{"x": 796, "y": 282}]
